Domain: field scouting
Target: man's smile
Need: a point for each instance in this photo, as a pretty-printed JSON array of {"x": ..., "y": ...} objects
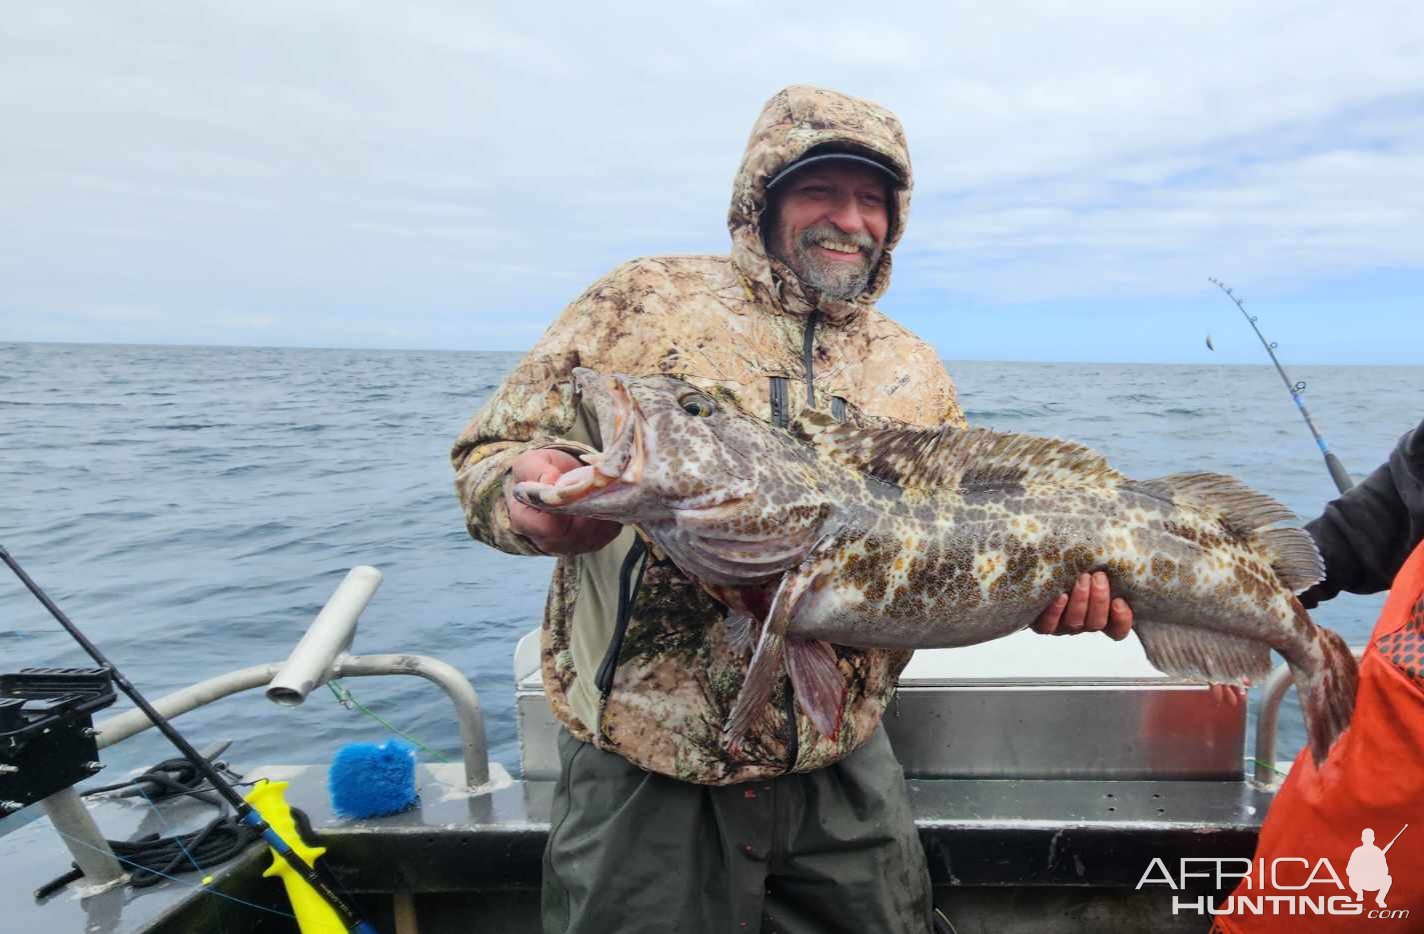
[{"x": 839, "y": 251}]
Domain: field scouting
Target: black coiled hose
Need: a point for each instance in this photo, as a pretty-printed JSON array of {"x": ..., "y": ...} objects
[{"x": 151, "y": 858}]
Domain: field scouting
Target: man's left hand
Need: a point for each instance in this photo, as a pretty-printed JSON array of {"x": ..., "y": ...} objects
[{"x": 1089, "y": 607}]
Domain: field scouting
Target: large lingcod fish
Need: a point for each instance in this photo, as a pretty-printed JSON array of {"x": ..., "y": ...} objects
[{"x": 828, "y": 534}]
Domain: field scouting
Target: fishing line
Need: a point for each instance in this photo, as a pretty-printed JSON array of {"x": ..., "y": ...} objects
[
  {"x": 180, "y": 882},
  {"x": 198, "y": 839},
  {"x": 221, "y": 839},
  {"x": 318, "y": 876},
  {"x": 217, "y": 853},
  {"x": 348, "y": 700},
  {"x": 1229, "y": 404},
  {"x": 1268, "y": 765},
  {"x": 176, "y": 837},
  {"x": 1297, "y": 390}
]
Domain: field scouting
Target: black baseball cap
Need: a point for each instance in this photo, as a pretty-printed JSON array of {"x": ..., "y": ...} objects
[{"x": 814, "y": 157}]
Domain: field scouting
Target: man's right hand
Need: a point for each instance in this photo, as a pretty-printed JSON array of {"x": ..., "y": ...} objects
[{"x": 553, "y": 534}]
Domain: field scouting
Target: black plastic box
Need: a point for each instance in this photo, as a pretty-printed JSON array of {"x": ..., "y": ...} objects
[{"x": 47, "y": 739}]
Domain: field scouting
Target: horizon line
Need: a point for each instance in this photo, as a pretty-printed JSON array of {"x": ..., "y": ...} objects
[{"x": 179, "y": 344}]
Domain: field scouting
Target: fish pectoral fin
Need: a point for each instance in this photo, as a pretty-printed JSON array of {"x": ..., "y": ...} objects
[
  {"x": 1204, "y": 654},
  {"x": 820, "y": 687},
  {"x": 739, "y": 631},
  {"x": 768, "y": 661}
]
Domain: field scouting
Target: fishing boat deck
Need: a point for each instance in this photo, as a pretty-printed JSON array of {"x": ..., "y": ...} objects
[
  {"x": 1028, "y": 849},
  {"x": 1043, "y": 785}
]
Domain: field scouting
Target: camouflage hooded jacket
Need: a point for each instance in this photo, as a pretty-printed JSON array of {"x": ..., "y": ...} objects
[{"x": 635, "y": 657}]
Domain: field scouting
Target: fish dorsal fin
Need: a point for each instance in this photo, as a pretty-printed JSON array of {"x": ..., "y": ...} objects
[
  {"x": 949, "y": 457},
  {"x": 1247, "y": 514},
  {"x": 1241, "y": 508}
]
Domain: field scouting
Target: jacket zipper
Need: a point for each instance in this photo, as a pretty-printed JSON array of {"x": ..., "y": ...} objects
[{"x": 808, "y": 341}]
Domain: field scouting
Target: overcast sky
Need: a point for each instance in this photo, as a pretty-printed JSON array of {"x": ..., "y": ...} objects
[{"x": 451, "y": 175}]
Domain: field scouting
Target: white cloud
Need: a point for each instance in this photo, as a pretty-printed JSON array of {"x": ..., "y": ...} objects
[{"x": 313, "y": 156}]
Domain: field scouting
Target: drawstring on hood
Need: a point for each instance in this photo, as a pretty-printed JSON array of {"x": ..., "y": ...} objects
[{"x": 795, "y": 121}]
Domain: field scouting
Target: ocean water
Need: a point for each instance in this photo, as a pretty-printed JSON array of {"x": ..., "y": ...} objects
[{"x": 191, "y": 508}]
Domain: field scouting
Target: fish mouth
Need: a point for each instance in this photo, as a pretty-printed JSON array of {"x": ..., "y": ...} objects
[{"x": 619, "y": 466}]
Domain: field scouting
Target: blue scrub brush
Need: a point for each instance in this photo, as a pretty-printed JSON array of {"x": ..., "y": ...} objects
[{"x": 367, "y": 780}]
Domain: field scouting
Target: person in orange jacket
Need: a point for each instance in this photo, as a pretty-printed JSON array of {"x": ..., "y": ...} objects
[{"x": 1318, "y": 863}]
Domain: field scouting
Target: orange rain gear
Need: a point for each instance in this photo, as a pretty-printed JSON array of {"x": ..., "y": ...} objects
[{"x": 1373, "y": 779}]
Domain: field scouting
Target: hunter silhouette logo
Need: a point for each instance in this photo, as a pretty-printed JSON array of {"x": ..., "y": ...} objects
[
  {"x": 1283, "y": 885},
  {"x": 1368, "y": 870}
]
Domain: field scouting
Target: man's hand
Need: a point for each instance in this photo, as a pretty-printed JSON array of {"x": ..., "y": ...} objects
[
  {"x": 553, "y": 534},
  {"x": 1229, "y": 694},
  {"x": 1090, "y": 607}
]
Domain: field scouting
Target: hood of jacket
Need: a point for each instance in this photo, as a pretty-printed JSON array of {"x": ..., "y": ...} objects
[{"x": 796, "y": 120}]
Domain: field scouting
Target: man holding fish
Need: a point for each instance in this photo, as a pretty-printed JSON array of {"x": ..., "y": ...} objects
[{"x": 796, "y": 816}]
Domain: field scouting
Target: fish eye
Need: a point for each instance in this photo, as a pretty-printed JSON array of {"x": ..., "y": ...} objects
[{"x": 695, "y": 403}]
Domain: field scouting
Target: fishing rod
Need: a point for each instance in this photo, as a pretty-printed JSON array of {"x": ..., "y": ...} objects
[
  {"x": 1332, "y": 463},
  {"x": 317, "y": 877}
]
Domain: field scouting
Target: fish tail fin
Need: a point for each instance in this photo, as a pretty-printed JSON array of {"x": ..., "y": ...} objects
[
  {"x": 1326, "y": 687},
  {"x": 1294, "y": 557}
]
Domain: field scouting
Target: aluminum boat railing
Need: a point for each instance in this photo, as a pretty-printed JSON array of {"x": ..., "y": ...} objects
[{"x": 319, "y": 657}]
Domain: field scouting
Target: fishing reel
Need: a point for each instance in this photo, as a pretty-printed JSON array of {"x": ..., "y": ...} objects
[{"x": 47, "y": 735}]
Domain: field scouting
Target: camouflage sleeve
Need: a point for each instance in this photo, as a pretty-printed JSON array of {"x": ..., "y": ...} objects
[
  {"x": 953, "y": 412},
  {"x": 940, "y": 399},
  {"x": 532, "y": 409}
]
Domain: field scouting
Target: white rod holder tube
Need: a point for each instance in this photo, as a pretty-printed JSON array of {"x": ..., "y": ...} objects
[{"x": 329, "y": 635}]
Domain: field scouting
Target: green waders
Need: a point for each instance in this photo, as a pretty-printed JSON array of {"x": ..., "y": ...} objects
[{"x": 833, "y": 850}]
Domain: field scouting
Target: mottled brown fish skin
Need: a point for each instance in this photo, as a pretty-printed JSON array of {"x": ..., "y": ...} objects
[{"x": 904, "y": 538}]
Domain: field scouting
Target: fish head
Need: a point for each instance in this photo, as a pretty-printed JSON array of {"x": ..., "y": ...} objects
[{"x": 670, "y": 451}]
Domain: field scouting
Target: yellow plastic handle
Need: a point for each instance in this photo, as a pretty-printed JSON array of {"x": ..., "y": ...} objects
[{"x": 314, "y": 915}]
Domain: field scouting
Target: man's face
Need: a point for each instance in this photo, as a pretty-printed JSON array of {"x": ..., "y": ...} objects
[{"x": 829, "y": 222}]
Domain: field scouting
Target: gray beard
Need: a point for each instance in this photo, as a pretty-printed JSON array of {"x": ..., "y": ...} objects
[{"x": 836, "y": 280}]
